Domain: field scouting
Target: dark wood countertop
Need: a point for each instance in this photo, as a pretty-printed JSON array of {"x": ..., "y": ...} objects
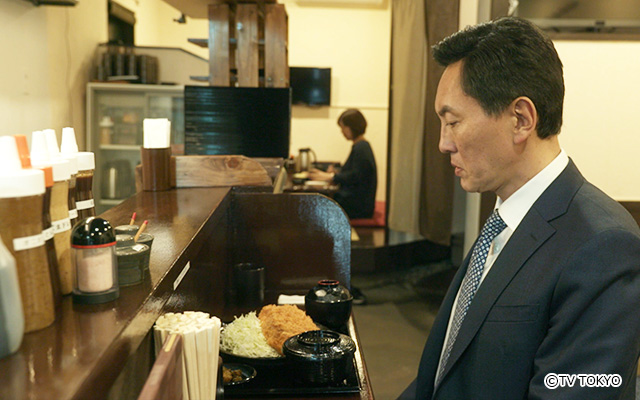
[
  {"x": 78, "y": 356},
  {"x": 89, "y": 349}
]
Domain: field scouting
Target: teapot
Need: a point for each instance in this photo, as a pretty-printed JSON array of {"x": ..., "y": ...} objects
[{"x": 303, "y": 161}]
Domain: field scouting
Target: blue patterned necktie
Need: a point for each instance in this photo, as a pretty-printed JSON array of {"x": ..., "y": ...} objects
[{"x": 471, "y": 281}]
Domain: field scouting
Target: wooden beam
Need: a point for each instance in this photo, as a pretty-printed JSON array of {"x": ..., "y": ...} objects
[
  {"x": 247, "y": 50},
  {"x": 276, "y": 65},
  {"x": 219, "y": 45}
]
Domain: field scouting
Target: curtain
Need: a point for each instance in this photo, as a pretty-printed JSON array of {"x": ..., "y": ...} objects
[
  {"x": 408, "y": 97},
  {"x": 420, "y": 177}
]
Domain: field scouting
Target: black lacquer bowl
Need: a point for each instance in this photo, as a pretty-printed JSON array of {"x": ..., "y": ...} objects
[
  {"x": 320, "y": 357},
  {"x": 329, "y": 303}
]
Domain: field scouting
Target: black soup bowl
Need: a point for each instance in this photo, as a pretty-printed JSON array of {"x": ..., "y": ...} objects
[
  {"x": 320, "y": 357},
  {"x": 329, "y": 304}
]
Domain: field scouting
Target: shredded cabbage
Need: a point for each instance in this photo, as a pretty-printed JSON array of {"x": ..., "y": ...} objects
[{"x": 243, "y": 337}]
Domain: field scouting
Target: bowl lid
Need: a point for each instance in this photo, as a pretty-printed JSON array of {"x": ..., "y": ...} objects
[
  {"x": 319, "y": 345},
  {"x": 329, "y": 291}
]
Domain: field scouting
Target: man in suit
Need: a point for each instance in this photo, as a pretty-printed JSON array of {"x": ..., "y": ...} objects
[{"x": 550, "y": 295}]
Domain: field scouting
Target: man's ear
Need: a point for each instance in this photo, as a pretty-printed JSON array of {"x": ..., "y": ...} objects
[{"x": 526, "y": 118}]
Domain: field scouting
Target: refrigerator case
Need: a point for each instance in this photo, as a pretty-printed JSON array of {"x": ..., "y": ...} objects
[{"x": 114, "y": 133}]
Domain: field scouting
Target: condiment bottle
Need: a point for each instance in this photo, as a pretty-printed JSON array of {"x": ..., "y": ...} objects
[
  {"x": 59, "y": 208},
  {"x": 71, "y": 194},
  {"x": 84, "y": 185},
  {"x": 69, "y": 150},
  {"x": 49, "y": 243},
  {"x": 47, "y": 228},
  {"x": 106, "y": 130},
  {"x": 21, "y": 202},
  {"x": 93, "y": 244},
  {"x": 11, "y": 312}
]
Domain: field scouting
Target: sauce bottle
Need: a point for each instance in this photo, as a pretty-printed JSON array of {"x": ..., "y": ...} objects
[
  {"x": 69, "y": 150},
  {"x": 61, "y": 223},
  {"x": 84, "y": 185},
  {"x": 11, "y": 312},
  {"x": 45, "y": 151},
  {"x": 21, "y": 202},
  {"x": 71, "y": 194},
  {"x": 47, "y": 231}
]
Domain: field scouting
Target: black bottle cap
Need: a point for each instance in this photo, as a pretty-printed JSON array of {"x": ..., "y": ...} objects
[{"x": 92, "y": 231}]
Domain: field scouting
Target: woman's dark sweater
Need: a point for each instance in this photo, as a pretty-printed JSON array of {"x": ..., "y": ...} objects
[{"x": 358, "y": 180}]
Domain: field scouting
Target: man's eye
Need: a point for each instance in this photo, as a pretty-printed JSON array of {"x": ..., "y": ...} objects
[{"x": 452, "y": 124}]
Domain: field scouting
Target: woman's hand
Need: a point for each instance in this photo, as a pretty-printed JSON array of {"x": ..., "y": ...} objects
[{"x": 318, "y": 175}]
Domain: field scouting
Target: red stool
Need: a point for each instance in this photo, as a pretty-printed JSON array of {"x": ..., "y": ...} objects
[{"x": 378, "y": 219}]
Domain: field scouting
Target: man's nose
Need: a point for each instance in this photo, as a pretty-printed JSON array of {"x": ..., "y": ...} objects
[{"x": 445, "y": 144}]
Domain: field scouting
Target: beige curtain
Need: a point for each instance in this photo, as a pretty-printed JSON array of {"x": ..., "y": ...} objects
[
  {"x": 409, "y": 81},
  {"x": 420, "y": 178}
]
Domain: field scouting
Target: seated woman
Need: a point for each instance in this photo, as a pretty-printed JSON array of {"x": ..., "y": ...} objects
[{"x": 358, "y": 177}]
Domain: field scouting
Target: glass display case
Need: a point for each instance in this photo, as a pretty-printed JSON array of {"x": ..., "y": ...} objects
[{"x": 114, "y": 132}]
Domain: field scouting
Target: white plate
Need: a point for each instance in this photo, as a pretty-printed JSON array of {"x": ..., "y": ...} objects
[{"x": 316, "y": 183}]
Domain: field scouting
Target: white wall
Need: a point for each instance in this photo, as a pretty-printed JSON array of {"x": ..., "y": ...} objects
[
  {"x": 24, "y": 84},
  {"x": 355, "y": 42},
  {"x": 602, "y": 105},
  {"x": 45, "y": 51},
  {"x": 155, "y": 26}
]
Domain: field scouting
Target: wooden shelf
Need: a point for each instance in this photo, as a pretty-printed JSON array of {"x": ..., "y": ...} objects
[{"x": 205, "y": 42}]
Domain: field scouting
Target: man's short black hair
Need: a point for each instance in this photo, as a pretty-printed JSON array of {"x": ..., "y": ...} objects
[{"x": 503, "y": 60}]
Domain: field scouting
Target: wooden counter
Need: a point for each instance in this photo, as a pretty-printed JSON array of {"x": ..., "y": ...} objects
[{"x": 105, "y": 351}]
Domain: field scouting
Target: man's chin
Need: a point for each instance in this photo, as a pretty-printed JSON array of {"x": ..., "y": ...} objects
[{"x": 469, "y": 187}]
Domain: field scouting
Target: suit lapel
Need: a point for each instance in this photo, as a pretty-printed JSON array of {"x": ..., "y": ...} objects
[
  {"x": 511, "y": 259},
  {"x": 431, "y": 355},
  {"x": 532, "y": 232}
]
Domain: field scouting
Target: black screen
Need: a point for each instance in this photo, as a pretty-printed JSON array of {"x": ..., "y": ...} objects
[
  {"x": 310, "y": 86},
  {"x": 254, "y": 122}
]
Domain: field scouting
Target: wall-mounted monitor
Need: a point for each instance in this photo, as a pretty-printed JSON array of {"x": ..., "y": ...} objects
[
  {"x": 310, "y": 86},
  {"x": 253, "y": 122}
]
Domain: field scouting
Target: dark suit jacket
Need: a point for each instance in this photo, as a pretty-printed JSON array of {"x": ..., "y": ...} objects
[{"x": 563, "y": 296}]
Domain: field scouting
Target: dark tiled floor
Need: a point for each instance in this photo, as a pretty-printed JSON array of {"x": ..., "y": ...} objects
[{"x": 394, "y": 324}]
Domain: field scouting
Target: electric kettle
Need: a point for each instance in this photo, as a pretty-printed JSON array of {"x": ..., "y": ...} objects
[{"x": 304, "y": 160}]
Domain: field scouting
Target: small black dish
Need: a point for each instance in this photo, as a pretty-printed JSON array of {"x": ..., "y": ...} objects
[
  {"x": 329, "y": 303},
  {"x": 247, "y": 371}
]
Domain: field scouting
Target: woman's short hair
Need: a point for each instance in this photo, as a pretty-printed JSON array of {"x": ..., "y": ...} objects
[{"x": 353, "y": 119}]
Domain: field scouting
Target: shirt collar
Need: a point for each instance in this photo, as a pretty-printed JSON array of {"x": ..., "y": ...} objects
[{"x": 518, "y": 204}]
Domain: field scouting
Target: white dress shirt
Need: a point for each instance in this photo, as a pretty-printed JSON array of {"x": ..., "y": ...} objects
[{"x": 512, "y": 212}]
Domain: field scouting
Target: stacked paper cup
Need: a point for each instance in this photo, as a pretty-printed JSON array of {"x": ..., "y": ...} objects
[{"x": 201, "y": 339}]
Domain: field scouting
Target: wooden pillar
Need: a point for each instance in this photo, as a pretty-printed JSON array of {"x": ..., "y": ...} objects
[
  {"x": 247, "y": 44},
  {"x": 276, "y": 65},
  {"x": 219, "y": 18}
]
